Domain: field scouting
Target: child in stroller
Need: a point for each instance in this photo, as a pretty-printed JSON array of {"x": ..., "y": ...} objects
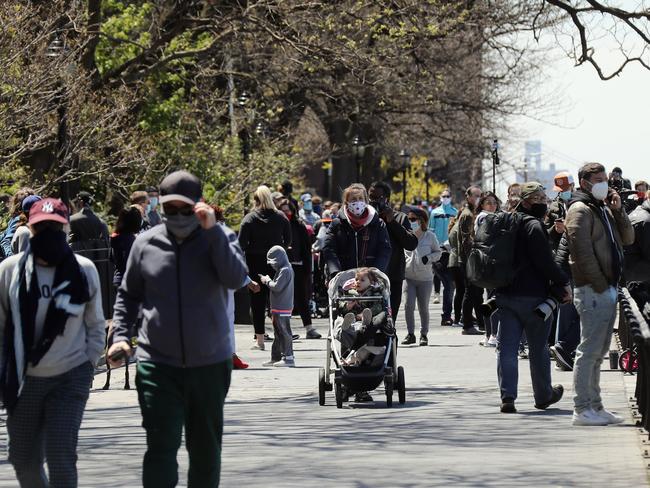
[{"x": 355, "y": 318}]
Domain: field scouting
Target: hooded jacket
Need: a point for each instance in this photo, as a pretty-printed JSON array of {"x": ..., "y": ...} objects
[
  {"x": 281, "y": 285},
  {"x": 346, "y": 248},
  {"x": 183, "y": 292},
  {"x": 556, "y": 210},
  {"x": 439, "y": 221},
  {"x": 262, "y": 229},
  {"x": 427, "y": 247},
  {"x": 596, "y": 253},
  {"x": 637, "y": 255}
]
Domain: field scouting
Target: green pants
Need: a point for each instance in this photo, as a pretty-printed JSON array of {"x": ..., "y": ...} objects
[{"x": 171, "y": 398}]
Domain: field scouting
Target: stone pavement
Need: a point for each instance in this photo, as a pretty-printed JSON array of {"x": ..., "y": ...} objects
[{"x": 449, "y": 433}]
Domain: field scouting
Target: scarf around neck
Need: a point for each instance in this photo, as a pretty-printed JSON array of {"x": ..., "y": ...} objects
[
  {"x": 69, "y": 294},
  {"x": 363, "y": 220}
]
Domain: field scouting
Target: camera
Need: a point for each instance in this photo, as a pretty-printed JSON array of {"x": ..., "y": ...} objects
[
  {"x": 545, "y": 309},
  {"x": 488, "y": 307}
]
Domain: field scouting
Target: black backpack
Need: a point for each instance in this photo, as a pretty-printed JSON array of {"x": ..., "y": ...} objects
[{"x": 491, "y": 261}]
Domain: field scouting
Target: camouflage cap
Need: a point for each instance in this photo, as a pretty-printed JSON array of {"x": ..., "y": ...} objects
[{"x": 530, "y": 187}]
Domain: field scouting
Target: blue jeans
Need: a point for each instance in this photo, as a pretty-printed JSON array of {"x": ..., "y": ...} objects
[
  {"x": 568, "y": 327},
  {"x": 447, "y": 292},
  {"x": 597, "y": 315},
  {"x": 516, "y": 316}
]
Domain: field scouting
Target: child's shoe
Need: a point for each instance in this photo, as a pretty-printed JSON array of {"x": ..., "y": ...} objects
[
  {"x": 348, "y": 320},
  {"x": 366, "y": 317}
]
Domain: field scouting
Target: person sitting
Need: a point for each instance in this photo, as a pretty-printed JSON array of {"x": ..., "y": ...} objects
[{"x": 353, "y": 329}]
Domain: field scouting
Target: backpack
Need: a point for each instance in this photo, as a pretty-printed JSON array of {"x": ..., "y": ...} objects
[{"x": 491, "y": 261}]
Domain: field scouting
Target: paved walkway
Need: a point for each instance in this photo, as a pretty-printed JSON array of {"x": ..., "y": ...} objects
[{"x": 449, "y": 433}]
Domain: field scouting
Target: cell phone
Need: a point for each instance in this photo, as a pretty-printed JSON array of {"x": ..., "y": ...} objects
[{"x": 118, "y": 355}]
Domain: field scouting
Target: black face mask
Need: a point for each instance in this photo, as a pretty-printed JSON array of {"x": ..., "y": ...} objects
[
  {"x": 379, "y": 205},
  {"x": 50, "y": 245},
  {"x": 538, "y": 210}
]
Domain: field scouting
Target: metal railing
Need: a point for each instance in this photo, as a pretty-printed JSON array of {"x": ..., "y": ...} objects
[{"x": 636, "y": 322}]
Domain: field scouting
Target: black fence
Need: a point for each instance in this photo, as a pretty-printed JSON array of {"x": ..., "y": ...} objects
[{"x": 635, "y": 330}]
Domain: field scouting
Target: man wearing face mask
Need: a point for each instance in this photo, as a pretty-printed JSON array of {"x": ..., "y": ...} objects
[
  {"x": 402, "y": 238},
  {"x": 179, "y": 273},
  {"x": 597, "y": 228},
  {"x": 307, "y": 213},
  {"x": 439, "y": 224},
  {"x": 51, "y": 336},
  {"x": 557, "y": 209},
  {"x": 537, "y": 277},
  {"x": 152, "y": 209}
]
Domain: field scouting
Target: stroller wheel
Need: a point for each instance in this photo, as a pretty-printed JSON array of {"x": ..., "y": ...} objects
[
  {"x": 338, "y": 393},
  {"x": 401, "y": 386},
  {"x": 388, "y": 384},
  {"x": 628, "y": 362},
  {"x": 321, "y": 386}
]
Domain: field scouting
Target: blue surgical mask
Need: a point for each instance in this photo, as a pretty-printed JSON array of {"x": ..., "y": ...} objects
[
  {"x": 153, "y": 203},
  {"x": 307, "y": 206},
  {"x": 566, "y": 195},
  {"x": 415, "y": 225}
]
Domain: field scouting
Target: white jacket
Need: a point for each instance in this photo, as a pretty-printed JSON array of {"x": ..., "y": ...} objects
[{"x": 427, "y": 246}]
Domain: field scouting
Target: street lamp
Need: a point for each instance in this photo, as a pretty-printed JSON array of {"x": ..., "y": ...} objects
[
  {"x": 243, "y": 99},
  {"x": 55, "y": 50},
  {"x": 426, "y": 179},
  {"x": 495, "y": 163},
  {"x": 359, "y": 150},
  {"x": 406, "y": 159}
]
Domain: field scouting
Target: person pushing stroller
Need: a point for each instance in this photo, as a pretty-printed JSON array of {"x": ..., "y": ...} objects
[{"x": 281, "y": 296}]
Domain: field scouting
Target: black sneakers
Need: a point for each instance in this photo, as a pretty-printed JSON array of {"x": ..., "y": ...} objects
[
  {"x": 471, "y": 331},
  {"x": 562, "y": 358},
  {"x": 313, "y": 334},
  {"x": 508, "y": 405},
  {"x": 424, "y": 341},
  {"x": 558, "y": 391},
  {"x": 409, "y": 339},
  {"x": 362, "y": 397}
]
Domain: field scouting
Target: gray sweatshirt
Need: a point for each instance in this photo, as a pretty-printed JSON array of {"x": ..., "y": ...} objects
[
  {"x": 428, "y": 246},
  {"x": 183, "y": 291},
  {"x": 281, "y": 285},
  {"x": 83, "y": 338}
]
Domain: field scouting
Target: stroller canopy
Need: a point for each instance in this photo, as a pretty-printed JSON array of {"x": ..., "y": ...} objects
[{"x": 336, "y": 284}]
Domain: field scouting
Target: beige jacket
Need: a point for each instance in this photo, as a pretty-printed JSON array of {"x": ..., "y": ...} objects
[{"x": 591, "y": 257}]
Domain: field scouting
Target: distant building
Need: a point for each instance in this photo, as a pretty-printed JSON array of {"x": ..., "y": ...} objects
[{"x": 534, "y": 170}]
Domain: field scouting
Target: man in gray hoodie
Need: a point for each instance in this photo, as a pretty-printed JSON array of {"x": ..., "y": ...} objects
[
  {"x": 281, "y": 287},
  {"x": 179, "y": 273}
]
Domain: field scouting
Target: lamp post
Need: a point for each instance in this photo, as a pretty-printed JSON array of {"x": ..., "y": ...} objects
[
  {"x": 495, "y": 163},
  {"x": 359, "y": 150},
  {"x": 426, "y": 179},
  {"x": 406, "y": 159},
  {"x": 55, "y": 50},
  {"x": 242, "y": 101}
]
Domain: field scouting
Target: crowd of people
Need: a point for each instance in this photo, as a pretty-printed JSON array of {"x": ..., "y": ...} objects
[{"x": 536, "y": 276}]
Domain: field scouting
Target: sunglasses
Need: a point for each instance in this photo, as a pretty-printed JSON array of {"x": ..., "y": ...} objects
[{"x": 185, "y": 211}]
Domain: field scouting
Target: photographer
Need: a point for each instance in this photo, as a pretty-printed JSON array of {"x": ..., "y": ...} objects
[
  {"x": 521, "y": 304},
  {"x": 597, "y": 229}
]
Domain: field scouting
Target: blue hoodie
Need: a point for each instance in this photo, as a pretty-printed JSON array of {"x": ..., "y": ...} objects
[{"x": 439, "y": 221}]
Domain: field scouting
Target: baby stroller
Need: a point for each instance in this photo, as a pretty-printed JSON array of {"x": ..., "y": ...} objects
[{"x": 375, "y": 369}]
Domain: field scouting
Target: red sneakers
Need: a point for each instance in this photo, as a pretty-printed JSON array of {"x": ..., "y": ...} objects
[{"x": 237, "y": 363}]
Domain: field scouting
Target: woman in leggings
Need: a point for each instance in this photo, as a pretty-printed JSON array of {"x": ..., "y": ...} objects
[{"x": 261, "y": 229}]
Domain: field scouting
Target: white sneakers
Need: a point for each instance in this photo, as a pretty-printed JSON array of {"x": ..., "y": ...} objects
[
  {"x": 436, "y": 298},
  {"x": 592, "y": 417}
]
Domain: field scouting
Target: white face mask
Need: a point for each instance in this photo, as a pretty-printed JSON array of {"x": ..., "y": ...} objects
[
  {"x": 599, "y": 190},
  {"x": 445, "y": 200},
  {"x": 357, "y": 208},
  {"x": 415, "y": 225}
]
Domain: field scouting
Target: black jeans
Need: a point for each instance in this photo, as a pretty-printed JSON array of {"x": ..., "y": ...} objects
[
  {"x": 256, "y": 266},
  {"x": 459, "y": 284},
  {"x": 395, "y": 296},
  {"x": 301, "y": 293},
  {"x": 471, "y": 302}
]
